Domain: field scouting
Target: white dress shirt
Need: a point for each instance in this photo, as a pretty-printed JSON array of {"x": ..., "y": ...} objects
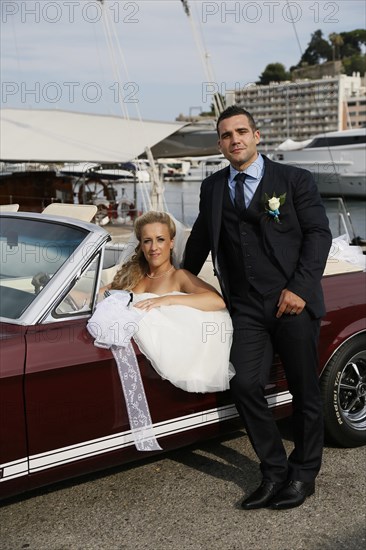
[{"x": 254, "y": 174}]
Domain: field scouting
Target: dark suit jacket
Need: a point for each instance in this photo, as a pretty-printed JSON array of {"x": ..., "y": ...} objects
[{"x": 299, "y": 244}]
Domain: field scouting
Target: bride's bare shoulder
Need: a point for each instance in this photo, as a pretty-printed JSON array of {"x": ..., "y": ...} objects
[
  {"x": 191, "y": 283},
  {"x": 182, "y": 274}
]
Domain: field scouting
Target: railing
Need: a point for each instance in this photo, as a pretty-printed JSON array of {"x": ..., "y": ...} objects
[
  {"x": 184, "y": 207},
  {"x": 344, "y": 220}
]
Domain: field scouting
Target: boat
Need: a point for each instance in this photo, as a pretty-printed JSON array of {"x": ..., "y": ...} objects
[
  {"x": 173, "y": 169},
  {"x": 202, "y": 167},
  {"x": 337, "y": 160},
  {"x": 194, "y": 139},
  {"x": 85, "y": 168},
  {"x": 190, "y": 168}
]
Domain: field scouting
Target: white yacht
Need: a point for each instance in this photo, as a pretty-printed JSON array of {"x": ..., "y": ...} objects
[
  {"x": 193, "y": 139},
  {"x": 201, "y": 167},
  {"x": 337, "y": 160}
]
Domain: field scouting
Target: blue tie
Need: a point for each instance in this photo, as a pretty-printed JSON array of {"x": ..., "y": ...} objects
[{"x": 239, "y": 192}]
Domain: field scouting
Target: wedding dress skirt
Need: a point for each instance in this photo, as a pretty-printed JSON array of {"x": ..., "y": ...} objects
[{"x": 187, "y": 346}]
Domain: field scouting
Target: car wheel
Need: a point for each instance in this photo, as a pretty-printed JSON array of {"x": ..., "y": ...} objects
[{"x": 343, "y": 386}]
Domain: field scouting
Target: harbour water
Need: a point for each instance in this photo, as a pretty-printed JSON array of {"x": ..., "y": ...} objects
[{"x": 182, "y": 200}]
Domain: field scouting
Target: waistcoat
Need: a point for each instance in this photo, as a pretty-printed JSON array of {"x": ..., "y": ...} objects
[{"x": 243, "y": 253}]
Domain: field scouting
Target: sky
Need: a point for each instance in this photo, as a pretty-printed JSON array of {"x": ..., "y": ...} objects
[{"x": 146, "y": 58}]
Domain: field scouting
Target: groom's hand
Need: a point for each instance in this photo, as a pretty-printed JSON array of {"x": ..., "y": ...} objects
[{"x": 289, "y": 303}]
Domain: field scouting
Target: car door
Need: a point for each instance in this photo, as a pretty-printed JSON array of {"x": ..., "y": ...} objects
[
  {"x": 73, "y": 398},
  {"x": 76, "y": 414},
  {"x": 13, "y": 441},
  {"x": 74, "y": 401}
]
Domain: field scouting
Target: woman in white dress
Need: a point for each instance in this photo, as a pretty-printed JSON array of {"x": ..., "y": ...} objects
[{"x": 186, "y": 331}]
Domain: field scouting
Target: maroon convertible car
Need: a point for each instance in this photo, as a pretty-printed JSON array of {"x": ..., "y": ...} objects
[{"x": 62, "y": 407}]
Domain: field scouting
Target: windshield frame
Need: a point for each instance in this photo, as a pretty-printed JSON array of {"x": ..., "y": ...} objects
[{"x": 67, "y": 273}]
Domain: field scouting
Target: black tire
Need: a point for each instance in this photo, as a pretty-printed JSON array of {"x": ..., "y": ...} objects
[{"x": 343, "y": 387}]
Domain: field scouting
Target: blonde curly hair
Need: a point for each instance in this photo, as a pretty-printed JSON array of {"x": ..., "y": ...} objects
[{"x": 136, "y": 268}]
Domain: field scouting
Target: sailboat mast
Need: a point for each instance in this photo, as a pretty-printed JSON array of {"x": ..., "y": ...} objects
[{"x": 205, "y": 59}]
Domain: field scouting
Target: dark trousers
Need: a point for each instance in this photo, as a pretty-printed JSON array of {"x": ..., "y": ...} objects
[{"x": 257, "y": 333}]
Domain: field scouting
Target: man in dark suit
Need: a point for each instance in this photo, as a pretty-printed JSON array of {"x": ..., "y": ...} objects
[{"x": 269, "y": 238}]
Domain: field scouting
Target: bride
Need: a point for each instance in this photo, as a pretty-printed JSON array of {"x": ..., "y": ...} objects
[{"x": 186, "y": 331}]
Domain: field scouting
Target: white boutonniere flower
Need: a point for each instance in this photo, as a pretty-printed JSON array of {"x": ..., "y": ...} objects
[{"x": 272, "y": 205}]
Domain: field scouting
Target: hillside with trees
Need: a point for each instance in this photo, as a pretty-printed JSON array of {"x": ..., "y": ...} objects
[{"x": 345, "y": 47}]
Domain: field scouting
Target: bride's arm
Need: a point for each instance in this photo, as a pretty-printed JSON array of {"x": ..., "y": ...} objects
[{"x": 198, "y": 294}]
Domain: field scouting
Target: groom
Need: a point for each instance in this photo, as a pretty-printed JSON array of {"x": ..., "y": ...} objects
[{"x": 268, "y": 234}]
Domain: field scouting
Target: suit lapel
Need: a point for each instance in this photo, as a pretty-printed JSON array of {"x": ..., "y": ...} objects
[
  {"x": 217, "y": 198},
  {"x": 265, "y": 186},
  {"x": 269, "y": 179}
]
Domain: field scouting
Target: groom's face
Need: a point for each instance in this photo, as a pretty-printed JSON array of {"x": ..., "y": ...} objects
[{"x": 238, "y": 141}]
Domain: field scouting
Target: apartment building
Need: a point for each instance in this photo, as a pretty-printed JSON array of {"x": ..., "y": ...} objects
[
  {"x": 300, "y": 109},
  {"x": 356, "y": 115}
]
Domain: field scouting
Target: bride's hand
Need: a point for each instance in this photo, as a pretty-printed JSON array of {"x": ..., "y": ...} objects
[{"x": 150, "y": 303}]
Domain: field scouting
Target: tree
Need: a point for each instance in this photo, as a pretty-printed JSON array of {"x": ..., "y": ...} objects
[
  {"x": 274, "y": 72},
  {"x": 318, "y": 50},
  {"x": 337, "y": 41},
  {"x": 354, "y": 64},
  {"x": 352, "y": 42},
  {"x": 353, "y": 59}
]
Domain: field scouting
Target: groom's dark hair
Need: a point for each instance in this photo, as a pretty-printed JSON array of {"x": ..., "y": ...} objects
[{"x": 235, "y": 110}]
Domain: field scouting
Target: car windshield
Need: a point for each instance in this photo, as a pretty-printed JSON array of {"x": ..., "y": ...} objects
[{"x": 31, "y": 252}]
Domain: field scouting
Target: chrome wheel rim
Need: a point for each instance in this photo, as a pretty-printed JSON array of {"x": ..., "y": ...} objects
[{"x": 351, "y": 392}]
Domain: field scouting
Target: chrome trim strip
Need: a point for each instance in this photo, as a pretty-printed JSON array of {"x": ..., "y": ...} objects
[
  {"x": 277, "y": 399},
  {"x": 16, "y": 468},
  {"x": 122, "y": 440}
]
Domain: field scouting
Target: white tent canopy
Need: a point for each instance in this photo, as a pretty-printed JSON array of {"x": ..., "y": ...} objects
[{"x": 63, "y": 136}]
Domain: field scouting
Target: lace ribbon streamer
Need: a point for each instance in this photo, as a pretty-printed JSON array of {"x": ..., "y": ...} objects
[
  {"x": 112, "y": 326},
  {"x": 135, "y": 398}
]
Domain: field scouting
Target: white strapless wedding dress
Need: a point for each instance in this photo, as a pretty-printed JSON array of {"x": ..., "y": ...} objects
[{"x": 187, "y": 346}]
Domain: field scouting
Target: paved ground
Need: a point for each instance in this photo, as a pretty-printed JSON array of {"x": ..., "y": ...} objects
[
  {"x": 119, "y": 233},
  {"x": 190, "y": 500}
]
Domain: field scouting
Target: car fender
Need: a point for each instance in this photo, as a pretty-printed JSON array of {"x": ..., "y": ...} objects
[{"x": 350, "y": 331}]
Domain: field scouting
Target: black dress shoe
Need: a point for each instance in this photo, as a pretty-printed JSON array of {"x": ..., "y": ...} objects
[
  {"x": 263, "y": 495},
  {"x": 292, "y": 495}
]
